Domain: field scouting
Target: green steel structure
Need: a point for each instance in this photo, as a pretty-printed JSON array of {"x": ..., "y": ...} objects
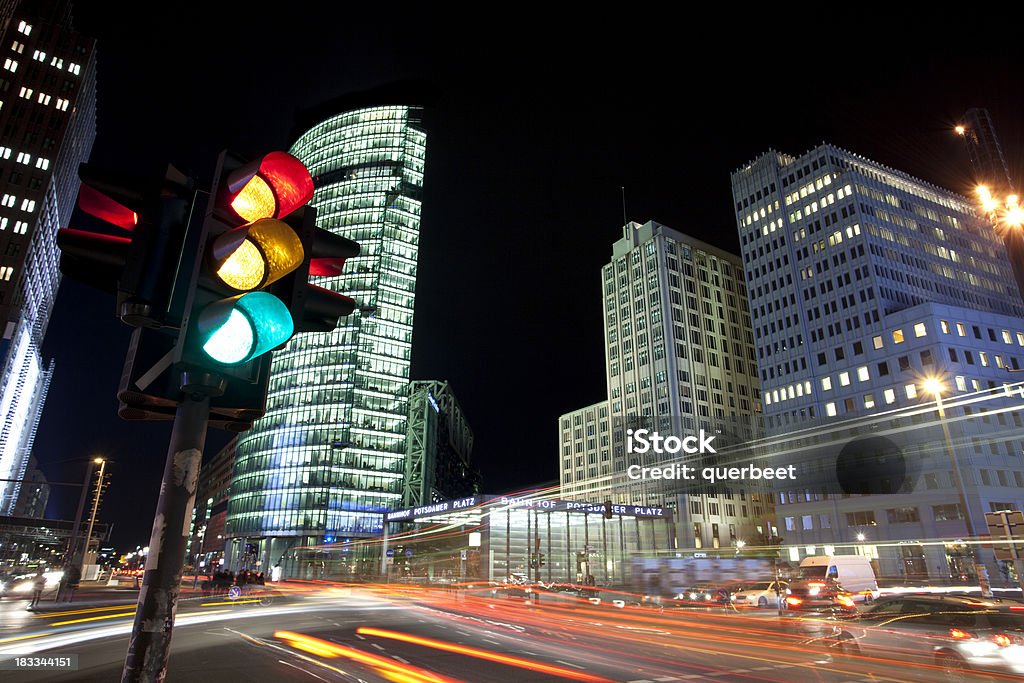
[{"x": 329, "y": 455}]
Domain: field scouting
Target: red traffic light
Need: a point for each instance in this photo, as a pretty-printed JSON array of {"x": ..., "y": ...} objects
[
  {"x": 269, "y": 187},
  {"x": 99, "y": 205}
]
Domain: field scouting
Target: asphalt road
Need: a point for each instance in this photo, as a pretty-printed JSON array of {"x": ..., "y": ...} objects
[{"x": 389, "y": 634}]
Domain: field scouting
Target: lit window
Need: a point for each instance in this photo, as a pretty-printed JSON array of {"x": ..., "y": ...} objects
[
  {"x": 961, "y": 383},
  {"x": 869, "y": 401},
  {"x": 26, "y": 93},
  {"x": 62, "y": 104},
  {"x": 944, "y": 324},
  {"x": 897, "y": 337},
  {"x": 3, "y": 223},
  {"x": 826, "y": 383},
  {"x": 5, "y": 152},
  {"x": 57, "y": 62},
  {"x": 5, "y": 272},
  {"x": 862, "y": 374},
  {"x": 39, "y": 56},
  {"x": 10, "y": 65},
  {"x": 20, "y": 227},
  {"x": 984, "y": 358},
  {"x": 807, "y": 387},
  {"x": 830, "y": 409},
  {"x": 74, "y": 68},
  {"x": 877, "y": 341},
  {"x": 919, "y": 330},
  {"x": 844, "y": 378},
  {"x": 42, "y": 163},
  {"x": 960, "y": 330},
  {"x": 18, "y": 47},
  {"x": 24, "y": 158},
  {"x": 28, "y": 205},
  {"x": 44, "y": 98},
  {"x": 1007, "y": 339},
  {"x": 911, "y": 390},
  {"x": 24, "y": 28},
  {"x": 8, "y": 200},
  {"x": 999, "y": 362},
  {"x": 890, "y": 396},
  {"x": 1020, "y": 338}
]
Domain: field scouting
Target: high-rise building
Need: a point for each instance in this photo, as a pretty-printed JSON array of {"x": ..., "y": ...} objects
[
  {"x": 865, "y": 283},
  {"x": 678, "y": 345},
  {"x": 35, "y": 493},
  {"x": 47, "y": 127},
  {"x": 328, "y": 457}
]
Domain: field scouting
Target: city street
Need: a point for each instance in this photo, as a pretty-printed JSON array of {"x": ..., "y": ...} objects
[{"x": 411, "y": 634}]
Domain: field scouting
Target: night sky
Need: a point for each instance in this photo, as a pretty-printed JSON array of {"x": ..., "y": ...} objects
[{"x": 533, "y": 133}]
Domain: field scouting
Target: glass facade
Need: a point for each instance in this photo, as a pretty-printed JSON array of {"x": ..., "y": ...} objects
[{"x": 328, "y": 456}]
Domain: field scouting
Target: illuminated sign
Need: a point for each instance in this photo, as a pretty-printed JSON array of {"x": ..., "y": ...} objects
[{"x": 544, "y": 504}]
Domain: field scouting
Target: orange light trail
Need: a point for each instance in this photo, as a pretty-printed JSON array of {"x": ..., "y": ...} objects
[
  {"x": 483, "y": 654},
  {"x": 389, "y": 668}
]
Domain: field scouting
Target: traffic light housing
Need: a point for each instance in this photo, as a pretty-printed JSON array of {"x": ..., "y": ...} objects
[{"x": 212, "y": 280}]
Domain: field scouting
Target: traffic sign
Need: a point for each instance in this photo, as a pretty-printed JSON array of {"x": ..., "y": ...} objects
[
  {"x": 390, "y": 552},
  {"x": 408, "y": 552}
]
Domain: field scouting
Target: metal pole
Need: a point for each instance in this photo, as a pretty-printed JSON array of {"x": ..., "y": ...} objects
[
  {"x": 508, "y": 544},
  {"x": 604, "y": 546},
  {"x": 384, "y": 551},
  {"x": 150, "y": 643},
  {"x": 92, "y": 517},
  {"x": 979, "y": 568},
  {"x": 530, "y": 559},
  {"x": 548, "y": 553}
]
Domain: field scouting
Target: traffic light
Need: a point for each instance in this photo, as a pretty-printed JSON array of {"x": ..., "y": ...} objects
[
  {"x": 137, "y": 268},
  {"x": 249, "y": 290},
  {"x": 541, "y": 560}
]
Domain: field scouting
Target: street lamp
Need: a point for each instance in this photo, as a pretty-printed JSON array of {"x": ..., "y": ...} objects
[
  {"x": 935, "y": 387},
  {"x": 95, "y": 506},
  {"x": 861, "y": 537}
]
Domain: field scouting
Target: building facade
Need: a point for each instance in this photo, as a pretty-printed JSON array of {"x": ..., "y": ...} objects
[
  {"x": 869, "y": 291},
  {"x": 328, "y": 457},
  {"x": 47, "y": 128},
  {"x": 678, "y": 345}
]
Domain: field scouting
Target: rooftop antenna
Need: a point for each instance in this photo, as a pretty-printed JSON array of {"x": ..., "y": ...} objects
[{"x": 625, "y": 221}]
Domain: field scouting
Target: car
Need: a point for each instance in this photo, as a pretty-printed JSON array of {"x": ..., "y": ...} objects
[
  {"x": 706, "y": 593},
  {"x": 818, "y": 596},
  {"x": 959, "y": 633},
  {"x": 759, "y": 593}
]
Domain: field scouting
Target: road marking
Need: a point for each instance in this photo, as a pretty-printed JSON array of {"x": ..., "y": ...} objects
[
  {"x": 640, "y": 680},
  {"x": 465, "y": 633},
  {"x": 492, "y": 642},
  {"x": 762, "y": 668},
  {"x": 667, "y": 678},
  {"x": 403, "y": 661},
  {"x": 360, "y": 637},
  {"x": 31, "y": 635},
  {"x": 577, "y": 666},
  {"x": 377, "y": 646}
]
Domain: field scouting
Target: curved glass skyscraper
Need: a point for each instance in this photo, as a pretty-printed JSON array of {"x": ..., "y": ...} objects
[{"x": 328, "y": 456}]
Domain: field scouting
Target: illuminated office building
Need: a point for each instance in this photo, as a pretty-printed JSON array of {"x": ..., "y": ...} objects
[
  {"x": 678, "y": 345},
  {"x": 864, "y": 283},
  {"x": 329, "y": 455},
  {"x": 47, "y": 128}
]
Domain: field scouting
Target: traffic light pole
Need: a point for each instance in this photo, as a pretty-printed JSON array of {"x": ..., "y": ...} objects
[{"x": 149, "y": 647}]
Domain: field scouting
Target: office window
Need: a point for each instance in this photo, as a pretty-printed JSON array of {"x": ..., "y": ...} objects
[
  {"x": 830, "y": 409},
  {"x": 911, "y": 390},
  {"x": 869, "y": 401},
  {"x": 919, "y": 330},
  {"x": 902, "y": 515},
  {"x": 844, "y": 379},
  {"x": 862, "y": 374},
  {"x": 890, "y": 396},
  {"x": 947, "y": 513},
  {"x": 897, "y": 337},
  {"x": 876, "y": 341},
  {"x": 826, "y": 383}
]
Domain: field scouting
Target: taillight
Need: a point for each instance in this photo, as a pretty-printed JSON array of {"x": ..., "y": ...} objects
[
  {"x": 957, "y": 634},
  {"x": 793, "y": 601},
  {"x": 1006, "y": 640}
]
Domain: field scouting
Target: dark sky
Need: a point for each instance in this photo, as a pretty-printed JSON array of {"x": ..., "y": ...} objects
[{"x": 536, "y": 128}]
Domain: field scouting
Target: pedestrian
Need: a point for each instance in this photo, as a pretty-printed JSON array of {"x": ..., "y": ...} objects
[{"x": 38, "y": 585}]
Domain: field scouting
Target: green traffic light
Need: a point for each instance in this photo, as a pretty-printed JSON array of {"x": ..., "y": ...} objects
[{"x": 243, "y": 327}]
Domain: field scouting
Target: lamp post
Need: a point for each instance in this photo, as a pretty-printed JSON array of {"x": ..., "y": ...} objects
[
  {"x": 935, "y": 387},
  {"x": 95, "y": 507}
]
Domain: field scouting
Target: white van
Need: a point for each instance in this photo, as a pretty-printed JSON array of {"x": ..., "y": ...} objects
[{"x": 853, "y": 572}]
